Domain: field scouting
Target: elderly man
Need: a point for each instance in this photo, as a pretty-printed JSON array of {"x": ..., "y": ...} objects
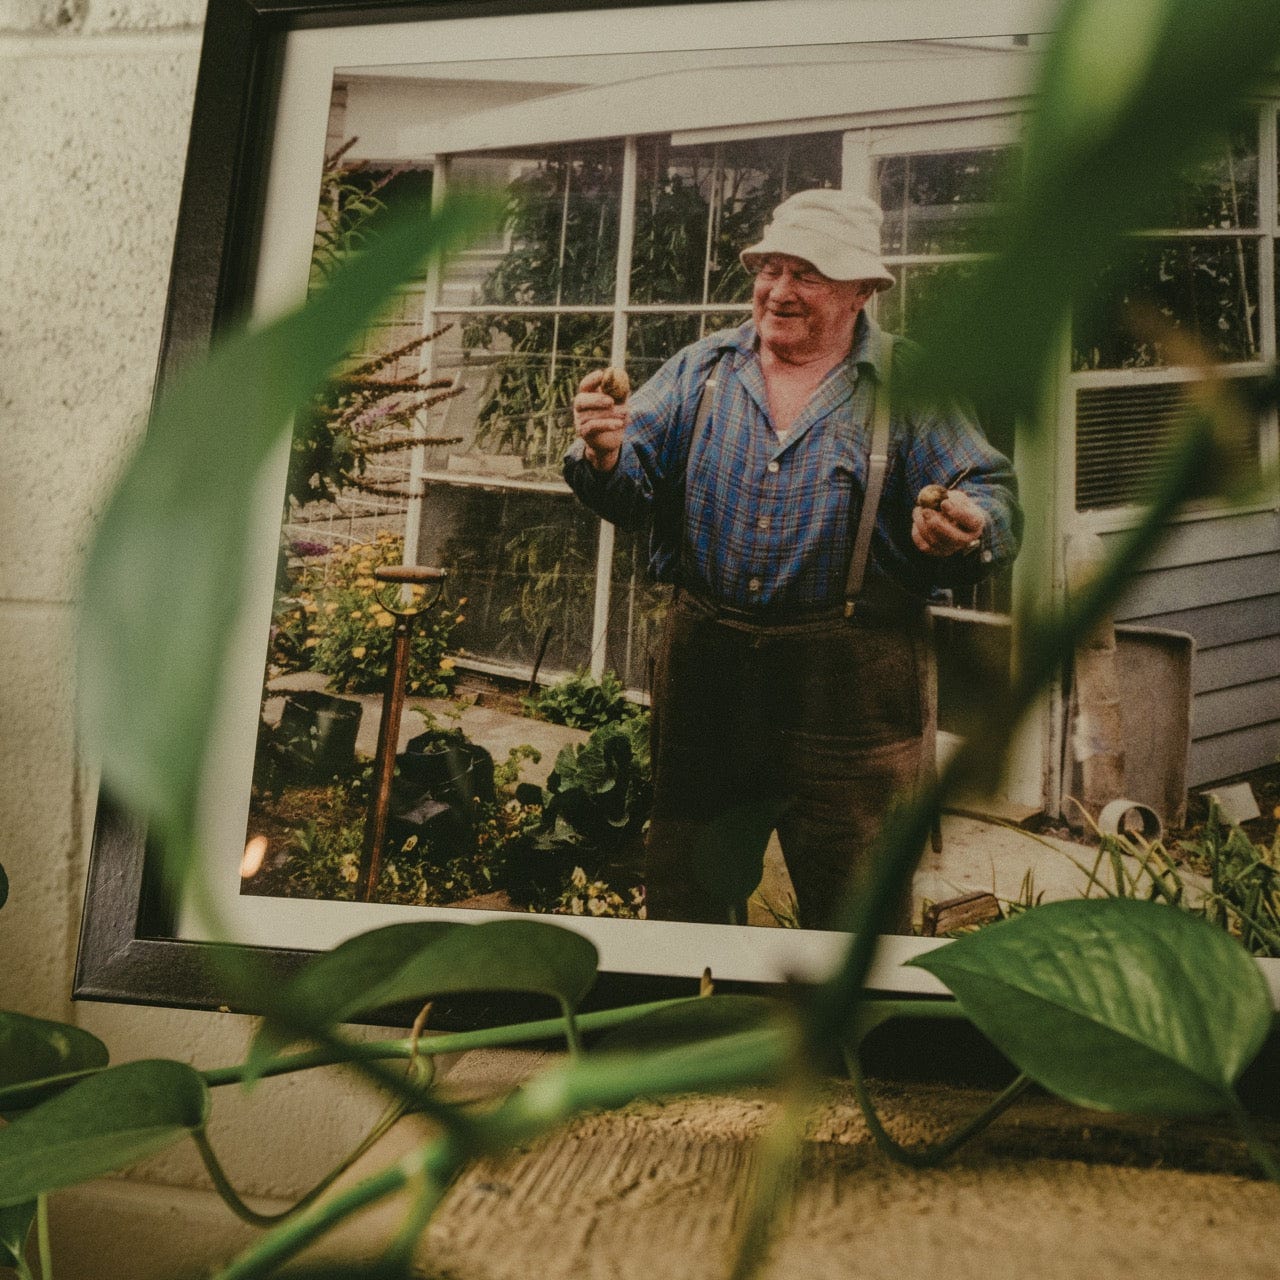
[{"x": 783, "y": 490}]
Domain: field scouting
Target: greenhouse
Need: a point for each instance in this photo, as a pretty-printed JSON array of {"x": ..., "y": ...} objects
[{"x": 631, "y": 183}]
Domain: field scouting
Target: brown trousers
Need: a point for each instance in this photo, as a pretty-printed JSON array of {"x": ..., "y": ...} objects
[{"x": 810, "y": 725}]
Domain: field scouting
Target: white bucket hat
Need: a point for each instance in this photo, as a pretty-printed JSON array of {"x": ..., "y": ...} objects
[{"x": 837, "y": 231}]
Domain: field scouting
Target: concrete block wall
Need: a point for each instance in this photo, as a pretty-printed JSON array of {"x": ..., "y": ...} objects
[{"x": 95, "y": 102}]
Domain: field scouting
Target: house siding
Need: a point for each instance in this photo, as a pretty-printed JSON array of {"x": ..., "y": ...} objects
[{"x": 1218, "y": 579}]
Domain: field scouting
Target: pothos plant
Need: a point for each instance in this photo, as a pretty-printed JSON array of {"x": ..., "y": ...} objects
[{"x": 1157, "y": 1013}]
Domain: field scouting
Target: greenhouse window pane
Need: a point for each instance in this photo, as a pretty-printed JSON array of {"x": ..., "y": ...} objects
[
  {"x": 637, "y": 609},
  {"x": 520, "y": 564},
  {"x": 918, "y": 289},
  {"x": 653, "y": 339},
  {"x": 944, "y": 202},
  {"x": 560, "y": 242},
  {"x": 1199, "y": 288},
  {"x": 697, "y": 207},
  {"x": 520, "y": 371}
]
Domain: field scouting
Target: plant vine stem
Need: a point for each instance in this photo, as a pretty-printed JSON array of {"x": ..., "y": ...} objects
[
  {"x": 399, "y": 1256},
  {"x": 928, "y": 1157},
  {"x": 1046, "y": 640},
  {"x": 1258, "y": 1149},
  {"x": 778, "y": 1169},
  {"x": 572, "y": 1033},
  {"x": 439, "y": 1162},
  {"x": 42, "y": 1238},
  {"x": 455, "y": 1042},
  {"x": 231, "y": 1197}
]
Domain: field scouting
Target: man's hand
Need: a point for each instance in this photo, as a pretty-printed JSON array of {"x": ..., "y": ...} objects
[
  {"x": 954, "y": 526},
  {"x": 599, "y": 421}
]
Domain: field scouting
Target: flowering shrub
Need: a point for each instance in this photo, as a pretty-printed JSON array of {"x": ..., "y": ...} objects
[
  {"x": 585, "y": 897},
  {"x": 330, "y": 619}
]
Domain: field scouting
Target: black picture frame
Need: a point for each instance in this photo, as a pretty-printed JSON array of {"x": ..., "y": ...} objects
[{"x": 128, "y": 950}]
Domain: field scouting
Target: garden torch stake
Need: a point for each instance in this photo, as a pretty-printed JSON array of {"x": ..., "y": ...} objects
[{"x": 375, "y": 826}]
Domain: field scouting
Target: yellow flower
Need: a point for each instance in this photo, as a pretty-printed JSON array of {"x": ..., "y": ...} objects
[
  {"x": 356, "y": 613},
  {"x": 309, "y": 608},
  {"x": 366, "y": 581},
  {"x": 311, "y": 643},
  {"x": 359, "y": 651},
  {"x": 462, "y": 602},
  {"x": 383, "y": 619},
  {"x": 446, "y": 664},
  {"x": 331, "y": 607},
  {"x": 462, "y": 617}
]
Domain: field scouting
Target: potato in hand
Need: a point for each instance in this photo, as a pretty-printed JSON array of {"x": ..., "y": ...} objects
[{"x": 615, "y": 384}]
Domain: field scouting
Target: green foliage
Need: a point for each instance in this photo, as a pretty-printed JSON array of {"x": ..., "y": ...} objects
[
  {"x": 1221, "y": 876},
  {"x": 1118, "y": 1005},
  {"x": 350, "y": 206},
  {"x": 602, "y": 789},
  {"x": 1244, "y": 883},
  {"x": 333, "y": 621},
  {"x": 527, "y": 401},
  {"x": 688, "y": 1021},
  {"x": 105, "y": 1122},
  {"x": 582, "y": 702}
]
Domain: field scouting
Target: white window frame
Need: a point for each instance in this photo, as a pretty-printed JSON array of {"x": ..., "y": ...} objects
[{"x": 1265, "y": 233}]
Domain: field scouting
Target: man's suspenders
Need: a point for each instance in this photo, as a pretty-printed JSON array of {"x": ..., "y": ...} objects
[{"x": 877, "y": 467}]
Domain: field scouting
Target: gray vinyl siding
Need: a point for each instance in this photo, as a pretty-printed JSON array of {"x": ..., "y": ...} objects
[{"x": 1219, "y": 580}]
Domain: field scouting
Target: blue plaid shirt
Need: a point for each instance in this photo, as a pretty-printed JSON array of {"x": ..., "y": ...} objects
[{"x": 770, "y": 522}]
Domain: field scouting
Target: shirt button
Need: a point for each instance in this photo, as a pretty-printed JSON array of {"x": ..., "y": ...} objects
[
  {"x": 754, "y": 584},
  {"x": 774, "y": 467},
  {"x": 762, "y": 522}
]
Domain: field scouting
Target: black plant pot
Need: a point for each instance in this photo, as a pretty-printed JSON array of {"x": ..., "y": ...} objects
[
  {"x": 318, "y": 732},
  {"x": 450, "y": 769}
]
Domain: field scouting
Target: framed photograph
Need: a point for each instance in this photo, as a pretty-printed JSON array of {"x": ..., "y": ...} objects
[{"x": 399, "y": 743}]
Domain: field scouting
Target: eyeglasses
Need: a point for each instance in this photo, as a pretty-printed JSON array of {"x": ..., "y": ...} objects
[{"x": 772, "y": 272}]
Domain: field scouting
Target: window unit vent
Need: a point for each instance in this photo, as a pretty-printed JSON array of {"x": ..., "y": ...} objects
[{"x": 1122, "y": 435}]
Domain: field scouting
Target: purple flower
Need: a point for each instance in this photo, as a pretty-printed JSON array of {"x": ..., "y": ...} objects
[{"x": 303, "y": 547}]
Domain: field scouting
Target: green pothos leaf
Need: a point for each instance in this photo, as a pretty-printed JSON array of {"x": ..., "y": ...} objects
[
  {"x": 106, "y": 1122},
  {"x": 421, "y": 961},
  {"x": 35, "y": 1048},
  {"x": 1115, "y": 1004},
  {"x": 693, "y": 1020}
]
